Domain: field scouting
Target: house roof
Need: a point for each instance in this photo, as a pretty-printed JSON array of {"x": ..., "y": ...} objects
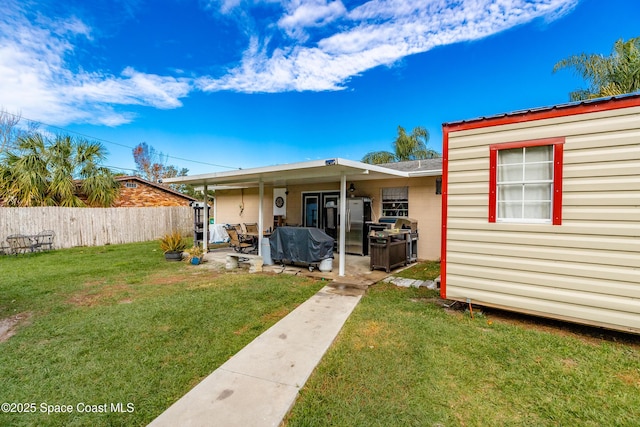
[
  {"x": 560, "y": 110},
  {"x": 315, "y": 171},
  {"x": 153, "y": 184},
  {"x": 424, "y": 167}
]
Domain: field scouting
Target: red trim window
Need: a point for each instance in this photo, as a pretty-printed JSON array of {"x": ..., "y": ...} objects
[{"x": 525, "y": 181}]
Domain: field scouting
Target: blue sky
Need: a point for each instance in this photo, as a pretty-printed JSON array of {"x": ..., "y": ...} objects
[{"x": 220, "y": 84}]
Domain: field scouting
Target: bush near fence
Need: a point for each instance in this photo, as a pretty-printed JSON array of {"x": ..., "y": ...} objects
[{"x": 96, "y": 226}]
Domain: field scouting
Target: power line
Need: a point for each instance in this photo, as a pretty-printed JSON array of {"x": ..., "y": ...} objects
[
  {"x": 120, "y": 168},
  {"x": 117, "y": 143},
  {"x": 14, "y": 147}
]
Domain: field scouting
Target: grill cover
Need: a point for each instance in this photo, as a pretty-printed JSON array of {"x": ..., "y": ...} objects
[{"x": 300, "y": 244}]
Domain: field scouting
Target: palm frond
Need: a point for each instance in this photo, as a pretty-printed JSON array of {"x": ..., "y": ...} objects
[
  {"x": 378, "y": 157},
  {"x": 616, "y": 74},
  {"x": 41, "y": 172}
]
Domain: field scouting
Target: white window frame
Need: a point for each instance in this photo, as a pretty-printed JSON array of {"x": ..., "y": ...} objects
[
  {"x": 390, "y": 204},
  {"x": 523, "y": 183}
]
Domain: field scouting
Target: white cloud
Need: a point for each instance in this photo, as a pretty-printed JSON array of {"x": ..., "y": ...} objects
[
  {"x": 379, "y": 32},
  {"x": 225, "y": 6},
  {"x": 310, "y": 13},
  {"x": 306, "y": 45},
  {"x": 36, "y": 78}
]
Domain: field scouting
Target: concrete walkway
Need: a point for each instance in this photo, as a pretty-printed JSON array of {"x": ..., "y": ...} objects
[{"x": 259, "y": 385}]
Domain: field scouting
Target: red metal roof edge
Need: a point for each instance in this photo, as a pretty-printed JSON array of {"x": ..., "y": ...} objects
[{"x": 580, "y": 107}]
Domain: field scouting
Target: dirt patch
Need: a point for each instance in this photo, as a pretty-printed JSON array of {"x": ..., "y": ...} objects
[
  {"x": 95, "y": 295},
  {"x": 569, "y": 364},
  {"x": 176, "y": 278},
  {"x": 125, "y": 290},
  {"x": 631, "y": 377},
  {"x": 275, "y": 315},
  {"x": 9, "y": 325}
]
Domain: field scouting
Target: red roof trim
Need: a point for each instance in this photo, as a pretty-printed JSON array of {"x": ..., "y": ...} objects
[{"x": 546, "y": 113}]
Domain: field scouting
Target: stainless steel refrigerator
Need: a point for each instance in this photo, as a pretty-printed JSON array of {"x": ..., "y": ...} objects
[{"x": 358, "y": 213}]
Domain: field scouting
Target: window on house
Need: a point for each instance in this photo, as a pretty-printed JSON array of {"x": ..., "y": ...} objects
[
  {"x": 130, "y": 184},
  {"x": 395, "y": 201},
  {"x": 526, "y": 181}
]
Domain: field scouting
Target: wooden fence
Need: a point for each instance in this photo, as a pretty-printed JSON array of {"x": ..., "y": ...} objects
[{"x": 96, "y": 226}]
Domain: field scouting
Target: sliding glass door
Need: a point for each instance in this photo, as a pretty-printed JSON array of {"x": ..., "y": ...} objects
[
  {"x": 320, "y": 210},
  {"x": 311, "y": 209}
]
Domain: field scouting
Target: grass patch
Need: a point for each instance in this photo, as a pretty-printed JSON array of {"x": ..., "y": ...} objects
[
  {"x": 426, "y": 270},
  {"x": 402, "y": 360},
  {"x": 119, "y": 324}
]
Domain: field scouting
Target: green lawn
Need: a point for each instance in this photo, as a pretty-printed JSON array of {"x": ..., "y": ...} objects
[
  {"x": 427, "y": 270},
  {"x": 402, "y": 359},
  {"x": 119, "y": 324}
]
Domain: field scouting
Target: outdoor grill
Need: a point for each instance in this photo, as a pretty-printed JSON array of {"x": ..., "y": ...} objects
[
  {"x": 395, "y": 228},
  {"x": 300, "y": 245},
  {"x": 399, "y": 223}
]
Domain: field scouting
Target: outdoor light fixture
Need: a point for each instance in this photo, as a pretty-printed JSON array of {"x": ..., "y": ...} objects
[
  {"x": 352, "y": 188},
  {"x": 438, "y": 185}
]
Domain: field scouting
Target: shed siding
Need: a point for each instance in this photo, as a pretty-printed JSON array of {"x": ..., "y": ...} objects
[{"x": 588, "y": 268}]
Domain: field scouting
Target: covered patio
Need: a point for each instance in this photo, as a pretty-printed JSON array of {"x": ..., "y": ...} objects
[{"x": 329, "y": 171}]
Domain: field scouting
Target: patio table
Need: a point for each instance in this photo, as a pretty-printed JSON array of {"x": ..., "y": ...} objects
[{"x": 21, "y": 243}]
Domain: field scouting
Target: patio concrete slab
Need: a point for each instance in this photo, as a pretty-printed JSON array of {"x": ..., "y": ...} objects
[
  {"x": 357, "y": 267},
  {"x": 259, "y": 385}
]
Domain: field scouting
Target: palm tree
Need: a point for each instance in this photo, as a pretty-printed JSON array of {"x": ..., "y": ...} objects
[
  {"x": 406, "y": 147},
  {"x": 616, "y": 74},
  {"x": 43, "y": 173},
  {"x": 24, "y": 173},
  {"x": 98, "y": 183}
]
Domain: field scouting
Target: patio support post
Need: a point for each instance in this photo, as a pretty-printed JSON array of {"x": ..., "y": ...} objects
[
  {"x": 205, "y": 223},
  {"x": 343, "y": 223},
  {"x": 260, "y": 219},
  {"x": 215, "y": 207}
]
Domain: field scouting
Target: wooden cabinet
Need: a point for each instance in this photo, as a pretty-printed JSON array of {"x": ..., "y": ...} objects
[{"x": 387, "y": 252}]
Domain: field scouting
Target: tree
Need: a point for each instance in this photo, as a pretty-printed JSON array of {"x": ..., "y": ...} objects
[
  {"x": 616, "y": 74},
  {"x": 406, "y": 147},
  {"x": 10, "y": 129},
  {"x": 41, "y": 172},
  {"x": 151, "y": 166},
  {"x": 150, "y": 163}
]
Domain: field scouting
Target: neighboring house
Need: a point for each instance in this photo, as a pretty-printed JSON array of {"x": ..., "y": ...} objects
[
  {"x": 541, "y": 212},
  {"x": 296, "y": 194},
  {"x": 138, "y": 192}
]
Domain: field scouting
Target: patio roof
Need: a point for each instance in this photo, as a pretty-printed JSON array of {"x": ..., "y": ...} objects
[
  {"x": 315, "y": 171},
  {"x": 328, "y": 170}
]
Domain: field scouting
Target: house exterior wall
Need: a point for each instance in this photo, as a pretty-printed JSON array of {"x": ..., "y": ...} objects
[
  {"x": 424, "y": 206},
  {"x": 229, "y": 202},
  {"x": 587, "y": 269},
  {"x": 144, "y": 195}
]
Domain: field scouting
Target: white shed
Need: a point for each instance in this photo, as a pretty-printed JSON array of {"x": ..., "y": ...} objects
[{"x": 541, "y": 212}]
